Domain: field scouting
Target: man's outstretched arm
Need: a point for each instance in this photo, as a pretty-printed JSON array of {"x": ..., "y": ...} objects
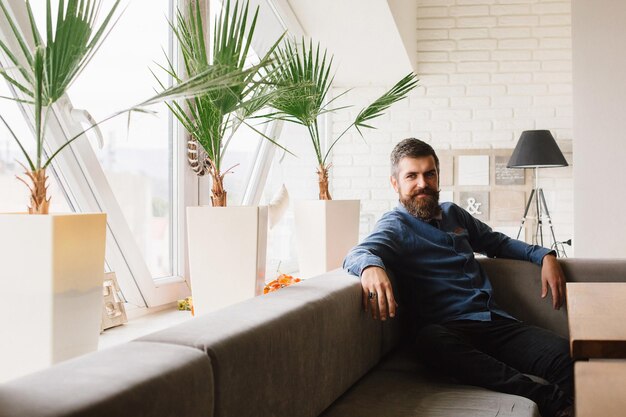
[
  {"x": 497, "y": 245},
  {"x": 367, "y": 260}
]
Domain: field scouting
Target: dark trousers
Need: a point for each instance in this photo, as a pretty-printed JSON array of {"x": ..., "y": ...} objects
[{"x": 496, "y": 355}]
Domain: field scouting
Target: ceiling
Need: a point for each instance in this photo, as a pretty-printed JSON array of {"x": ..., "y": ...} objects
[{"x": 372, "y": 40}]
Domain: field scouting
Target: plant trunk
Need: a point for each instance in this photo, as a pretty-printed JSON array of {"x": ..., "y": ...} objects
[
  {"x": 218, "y": 194},
  {"x": 39, "y": 200},
  {"x": 322, "y": 173}
]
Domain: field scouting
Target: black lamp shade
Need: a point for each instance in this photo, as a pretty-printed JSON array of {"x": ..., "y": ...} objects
[{"x": 536, "y": 149}]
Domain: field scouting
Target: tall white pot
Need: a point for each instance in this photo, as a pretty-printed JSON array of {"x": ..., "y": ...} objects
[
  {"x": 227, "y": 247},
  {"x": 325, "y": 232},
  {"x": 51, "y": 274}
]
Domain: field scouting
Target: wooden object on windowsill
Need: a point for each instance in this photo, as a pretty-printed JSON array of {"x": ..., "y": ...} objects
[{"x": 113, "y": 311}]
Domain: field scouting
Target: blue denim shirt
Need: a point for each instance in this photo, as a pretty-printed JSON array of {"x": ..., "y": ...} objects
[{"x": 437, "y": 277}]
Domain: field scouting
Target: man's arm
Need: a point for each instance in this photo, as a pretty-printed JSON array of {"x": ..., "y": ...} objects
[
  {"x": 367, "y": 261},
  {"x": 497, "y": 245}
]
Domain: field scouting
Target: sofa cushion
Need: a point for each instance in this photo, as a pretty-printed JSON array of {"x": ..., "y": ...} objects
[
  {"x": 400, "y": 387},
  {"x": 288, "y": 353},
  {"x": 137, "y": 378}
]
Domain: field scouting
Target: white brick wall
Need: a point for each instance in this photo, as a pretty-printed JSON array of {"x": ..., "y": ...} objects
[{"x": 488, "y": 70}]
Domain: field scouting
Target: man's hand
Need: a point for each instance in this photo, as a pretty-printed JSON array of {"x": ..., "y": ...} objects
[
  {"x": 375, "y": 281},
  {"x": 552, "y": 276}
]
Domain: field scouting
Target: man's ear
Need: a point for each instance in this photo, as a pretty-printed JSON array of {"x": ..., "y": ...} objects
[{"x": 394, "y": 182}]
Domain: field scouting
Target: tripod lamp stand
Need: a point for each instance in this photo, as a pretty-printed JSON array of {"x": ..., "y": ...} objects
[{"x": 538, "y": 149}]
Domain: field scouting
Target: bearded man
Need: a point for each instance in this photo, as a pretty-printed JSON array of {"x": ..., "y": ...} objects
[{"x": 456, "y": 324}]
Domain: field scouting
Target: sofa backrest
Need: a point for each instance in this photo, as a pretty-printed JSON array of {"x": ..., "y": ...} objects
[
  {"x": 288, "y": 353},
  {"x": 517, "y": 290},
  {"x": 517, "y": 287}
]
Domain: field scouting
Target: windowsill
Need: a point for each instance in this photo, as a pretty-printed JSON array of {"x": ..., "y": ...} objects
[
  {"x": 142, "y": 321},
  {"x": 142, "y": 325}
]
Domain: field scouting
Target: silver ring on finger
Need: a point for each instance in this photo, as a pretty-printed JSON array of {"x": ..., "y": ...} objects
[{"x": 372, "y": 295}]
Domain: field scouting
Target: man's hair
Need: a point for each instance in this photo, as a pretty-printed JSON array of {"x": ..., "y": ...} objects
[{"x": 411, "y": 148}]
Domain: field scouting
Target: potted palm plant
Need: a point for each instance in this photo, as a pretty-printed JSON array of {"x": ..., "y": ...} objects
[
  {"x": 56, "y": 261},
  {"x": 63, "y": 266},
  {"x": 325, "y": 229},
  {"x": 229, "y": 267}
]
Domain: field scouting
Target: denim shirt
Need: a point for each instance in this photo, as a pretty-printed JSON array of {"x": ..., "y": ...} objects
[{"x": 437, "y": 276}]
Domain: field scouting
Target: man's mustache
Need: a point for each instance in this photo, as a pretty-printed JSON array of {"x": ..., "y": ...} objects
[{"x": 427, "y": 191}]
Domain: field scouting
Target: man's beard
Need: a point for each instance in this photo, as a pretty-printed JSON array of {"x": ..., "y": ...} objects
[{"x": 425, "y": 208}]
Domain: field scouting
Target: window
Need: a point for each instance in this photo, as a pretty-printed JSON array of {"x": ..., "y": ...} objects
[
  {"x": 139, "y": 176},
  {"x": 143, "y": 230},
  {"x": 136, "y": 156}
]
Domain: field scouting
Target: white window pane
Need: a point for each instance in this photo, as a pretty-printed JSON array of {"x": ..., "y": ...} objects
[
  {"x": 136, "y": 160},
  {"x": 241, "y": 155},
  {"x": 281, "y": 253},
  {"x": 298, "y": 174}
]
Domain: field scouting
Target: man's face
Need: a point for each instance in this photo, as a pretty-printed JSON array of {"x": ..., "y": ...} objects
[{"x": 417, "y": 184}]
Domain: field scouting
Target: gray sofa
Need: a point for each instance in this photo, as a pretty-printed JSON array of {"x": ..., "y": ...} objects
[{"x": 306, "y": 350}]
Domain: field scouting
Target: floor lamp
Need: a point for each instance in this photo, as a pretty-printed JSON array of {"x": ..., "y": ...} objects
[{"x": 538, "y": 149}]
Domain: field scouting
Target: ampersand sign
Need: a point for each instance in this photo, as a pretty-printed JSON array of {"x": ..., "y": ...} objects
[{"x": 473, "y": 206}]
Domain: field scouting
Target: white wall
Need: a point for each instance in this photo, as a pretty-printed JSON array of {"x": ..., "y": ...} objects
[
  {"x": 599, "y": 40},
  {"x": 488, "y": 71}
]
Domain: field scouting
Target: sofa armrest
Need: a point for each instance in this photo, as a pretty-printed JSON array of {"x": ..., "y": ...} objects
[
  {"x": 594, "y": 270},
  {"x": 136, "y": 378}
]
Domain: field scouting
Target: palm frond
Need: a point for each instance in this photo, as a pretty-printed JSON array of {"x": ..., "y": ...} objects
[
  {"x": 4, "y": 73},
  {"x": 398, "y": 92},
  {"x": 58, "y": 57},
  {"x": 304, "y": 74},
  {"x": 23, "y": 45},
  {"x": 17, "y": 100},
  {"x": 306, "y": 79},
  {"x": 72, "y": 43},
  {"x": 238, "y": 90},
  {"x": 191, "y": 89},
  {"x": 266, "y": 137},
  {"x": 204, "y": 84},
  {"x": 19, "y": 143}
]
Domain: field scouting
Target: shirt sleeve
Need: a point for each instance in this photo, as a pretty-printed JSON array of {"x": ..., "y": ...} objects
[
  {"x": 378, "y": 249},
  {"x": 498, "y": 245}
]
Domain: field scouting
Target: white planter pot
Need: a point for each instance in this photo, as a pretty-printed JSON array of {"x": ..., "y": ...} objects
[
  {"x": 325, "y": 232},
  {"x": 51, "y": 274},
  {"x": 227, "y": 247}
]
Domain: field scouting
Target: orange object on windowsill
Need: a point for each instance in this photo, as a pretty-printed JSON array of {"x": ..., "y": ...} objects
[{"x": 283, "y": 280}]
